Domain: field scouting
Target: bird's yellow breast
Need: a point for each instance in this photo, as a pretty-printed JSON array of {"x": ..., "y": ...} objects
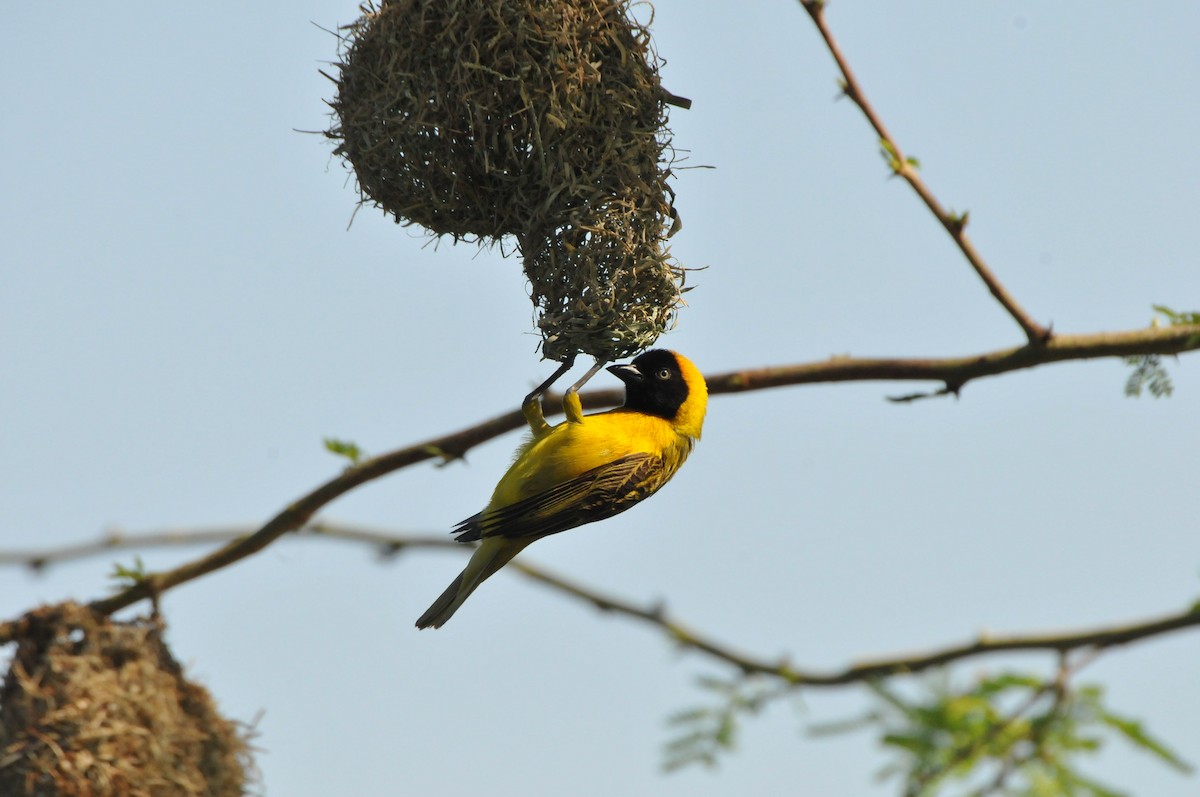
[{"x": 574, "y": 448}]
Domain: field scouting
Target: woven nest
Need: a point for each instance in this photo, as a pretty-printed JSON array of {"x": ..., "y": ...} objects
[
  {"x": 536, "y": 119},
  {"x": 92, "y": 707},
  {"x": 602, "y": 282}
]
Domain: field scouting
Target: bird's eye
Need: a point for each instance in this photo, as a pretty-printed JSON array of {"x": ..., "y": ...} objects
[{"x": 663, "y": 373}]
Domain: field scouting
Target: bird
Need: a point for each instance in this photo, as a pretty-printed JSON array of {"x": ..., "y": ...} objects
[{"x": 587, "y": 468}]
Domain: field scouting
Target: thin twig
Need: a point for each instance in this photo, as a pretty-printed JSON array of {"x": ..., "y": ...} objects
[
  {"x": 906, "y": 168},
  {"x": 113, "y": 540},
  {"x": 954, "y": 372},
  {"x": 1092, "y": 640}
]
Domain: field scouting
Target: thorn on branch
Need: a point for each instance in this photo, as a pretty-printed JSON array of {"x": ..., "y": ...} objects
[
  {"x": 957, "y": 222},
  {"x": 951, "y": 389},
  {"x": 747, "y": 668},
  {"x": 390, "y": 550},
  {"x": 444, "y": 456}
]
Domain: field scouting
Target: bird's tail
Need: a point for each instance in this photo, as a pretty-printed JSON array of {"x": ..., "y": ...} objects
[{"x": 491, "y": 555}]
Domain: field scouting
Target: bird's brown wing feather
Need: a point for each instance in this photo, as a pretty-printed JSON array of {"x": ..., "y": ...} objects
[{"x": 595, "y": 495}]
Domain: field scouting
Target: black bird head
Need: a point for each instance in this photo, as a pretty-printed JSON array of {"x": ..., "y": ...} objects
[{"x": 654, "y": 383}]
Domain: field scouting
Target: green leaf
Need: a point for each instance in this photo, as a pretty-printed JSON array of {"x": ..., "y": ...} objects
[
  {"x": 1087, "y": 744},
  {"x": 1148, "y": 373},
  {"x": 1176, "y": 318},
  {"x": 707, "y": 759},
  {"x": 891, "y": 698},
  {"x": 1007, "y": 681},
  {"x": 344, "y": 448},
  {"x": 905, "y": 741},
  {"x": 1136, "y": 733},
  {"x": 1093, "y": 787},
  {"x": 718, "y": 685},
  {"x": 705, "y": 732},
  {"x": 129, "y": 576},
  {"x": 684, "y": 744},
  {"x": 844, "y": 726},
  {"x": 689, "y": 716},
  {"x": 726, "y": 732}
]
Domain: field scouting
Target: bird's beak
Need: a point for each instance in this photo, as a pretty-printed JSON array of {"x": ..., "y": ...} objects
[{"x": 629, "y": 374}]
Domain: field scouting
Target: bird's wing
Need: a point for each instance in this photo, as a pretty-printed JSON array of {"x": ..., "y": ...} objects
[{"x": 594, "y": 495}]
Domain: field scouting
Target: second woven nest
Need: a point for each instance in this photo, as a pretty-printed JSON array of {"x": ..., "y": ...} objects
[
  {"x": 92, "y": 707},
  {"x": 538, "y": 119}
]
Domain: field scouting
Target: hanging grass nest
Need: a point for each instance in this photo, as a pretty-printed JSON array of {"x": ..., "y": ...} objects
[
  {"x": 544, "y": 120},
  {"x": 602, "y": 281},
  {"x": 94, "y": 707}
]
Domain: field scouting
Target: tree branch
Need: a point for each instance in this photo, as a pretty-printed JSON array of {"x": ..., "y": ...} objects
[
  {"x": 906, "y": 168},
  {"x": 1094, "y": 640},
  {"x": 954, "y": 372}
]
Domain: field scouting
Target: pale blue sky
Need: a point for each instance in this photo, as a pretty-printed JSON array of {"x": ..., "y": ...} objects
[{"x": 184, "y": 315}]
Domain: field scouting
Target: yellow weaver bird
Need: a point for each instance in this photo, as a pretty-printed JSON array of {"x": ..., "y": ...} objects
[{"x": 587, "y": 468}]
